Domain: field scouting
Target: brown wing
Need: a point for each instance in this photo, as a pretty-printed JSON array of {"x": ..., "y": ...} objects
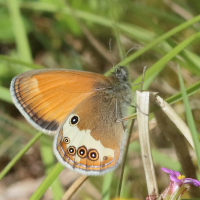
[
  {"x": 46, "y": 97},
  {"x": 93, "y": 144}
]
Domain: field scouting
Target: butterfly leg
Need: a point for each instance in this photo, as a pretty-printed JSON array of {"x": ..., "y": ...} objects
[
  {"x": 133, "y": 116},
  {"x": 126, "y": 118}
]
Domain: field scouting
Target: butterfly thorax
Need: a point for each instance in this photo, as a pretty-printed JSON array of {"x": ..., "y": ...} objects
[{"x": 121, "y": 88}]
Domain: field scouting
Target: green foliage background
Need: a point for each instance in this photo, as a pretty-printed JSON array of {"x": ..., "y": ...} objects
[{"x": 75, "y": 35}]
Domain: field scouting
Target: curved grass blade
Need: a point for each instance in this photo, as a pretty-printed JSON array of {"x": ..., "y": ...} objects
[
  {"x": 45, "y": 7},
  {"x": 189, "y": 117},
  {"x": 48, "y": 160},
  {"x": 160, "y": 39},
  {"x": 47, "y": 182},
  {"x": 190, "y": 91},
  {"x": 154, "y": 70},
  {"x": 135, "y": 31}
]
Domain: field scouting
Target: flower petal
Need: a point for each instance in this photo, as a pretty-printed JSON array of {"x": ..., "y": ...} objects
[
  {"x": 174, "y": 178},
  {"x": 169, "y": 171},
  {"x": 166, "y": 170},
  {"x": 177, "y": 173},
  {"x": 191, "y": 181}
]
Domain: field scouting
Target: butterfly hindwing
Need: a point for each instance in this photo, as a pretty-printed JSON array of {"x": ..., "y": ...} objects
[{"x": 88, "y": 142}]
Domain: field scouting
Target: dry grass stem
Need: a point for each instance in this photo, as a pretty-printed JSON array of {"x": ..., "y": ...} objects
[
  {"x": 74, "y": 187},
  {"x": 143, "y": 127},
  {"x": 174, "y": 118}
]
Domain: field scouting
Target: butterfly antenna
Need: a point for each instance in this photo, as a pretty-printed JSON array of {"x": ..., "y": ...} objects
[
  {"x": 127, "y": 54},
  {"x": 111, "y": 53},
  {"x": 141, "y": 82}
]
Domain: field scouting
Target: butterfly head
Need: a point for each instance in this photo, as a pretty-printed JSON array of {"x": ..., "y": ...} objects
[{"x": 121, "y": 73}]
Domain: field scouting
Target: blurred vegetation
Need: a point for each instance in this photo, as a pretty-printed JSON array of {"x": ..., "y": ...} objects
[{"x": 75, "y": 34}]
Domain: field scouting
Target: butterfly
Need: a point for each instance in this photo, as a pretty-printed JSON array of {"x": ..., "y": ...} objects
[{"x": 82, "y": 110}]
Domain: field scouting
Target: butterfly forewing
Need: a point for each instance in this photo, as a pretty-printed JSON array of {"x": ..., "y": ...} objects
[{"x": 46, "y": 97}]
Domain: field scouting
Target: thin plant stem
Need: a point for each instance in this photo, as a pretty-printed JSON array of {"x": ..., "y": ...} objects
[
  {"x": 74, "y": 187},
  {"x": 124, "y": 160}
]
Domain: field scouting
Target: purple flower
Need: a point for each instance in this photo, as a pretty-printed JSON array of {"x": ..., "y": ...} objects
[
  {"x": 176, "y": 187},
  {"x": 180, "y": 179}
]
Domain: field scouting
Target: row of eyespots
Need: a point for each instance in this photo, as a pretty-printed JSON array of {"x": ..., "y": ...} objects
[{"x": 82, "y": 152}]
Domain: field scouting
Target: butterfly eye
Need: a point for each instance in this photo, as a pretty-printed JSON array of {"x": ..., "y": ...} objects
[
  {"x": 93, "y": 155},
  {"x": 71, "y": 150},
  {"x": 66, "y": 140},
  {"x": 74, "y": 120},
  {"x": 82, "y": 152}
]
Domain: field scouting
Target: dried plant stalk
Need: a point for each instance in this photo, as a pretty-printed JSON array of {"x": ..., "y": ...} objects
[
  {"x": 171, "y": 124},
  {"x": 143, "y": 127},
  {"x": 74, "y": 187},
  {"x": 174, "y": 118}
]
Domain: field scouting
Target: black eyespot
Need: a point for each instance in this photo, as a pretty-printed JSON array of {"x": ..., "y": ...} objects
[
  {"x": 74, "y": 120},
  {"x": 66, "y": 140},
  {"x": 82, "y": 152},
  {"x": 71, "y": 150},
  {"x": 93, "y": 155}
]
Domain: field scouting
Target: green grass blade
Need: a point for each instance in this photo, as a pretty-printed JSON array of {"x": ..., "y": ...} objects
[
  {"x": 19, "y": 62},
  {"x": 19, "y": 155},
  {"x": 190, "y": 90},
  {"x": 189, "y": 117},
  {"x": 45, "y": 7},
  {"x": 106, "y": 186},
  {"x": 47, "y": 182},
  {"x": 48, "y": 160},
  {"x": 103, "y": 21},
  {"x": 19, "y": 31},
  {"x": 160, "y": 39},
  {"x": 154, "y": 70}
]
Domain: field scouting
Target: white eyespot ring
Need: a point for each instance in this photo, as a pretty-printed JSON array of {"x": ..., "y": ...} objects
[{"x": 74, "y": 120}]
